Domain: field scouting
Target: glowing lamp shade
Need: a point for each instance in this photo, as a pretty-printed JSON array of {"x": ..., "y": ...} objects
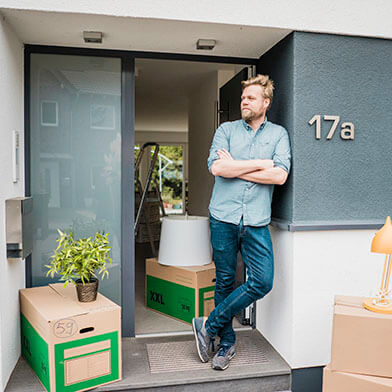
[
  {"x": 382, "y": 243},
  {"x": 185, "y": 241}
]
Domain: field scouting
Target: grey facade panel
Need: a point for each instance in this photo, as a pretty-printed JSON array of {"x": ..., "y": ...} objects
[
  {"x": 333, "y": 180},
  {"x": 336, "y": 179},
  {"x": 278, "y": 63}
]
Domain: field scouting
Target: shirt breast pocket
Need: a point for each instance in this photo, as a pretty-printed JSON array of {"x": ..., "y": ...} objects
[{"x": 265, "y": 150}]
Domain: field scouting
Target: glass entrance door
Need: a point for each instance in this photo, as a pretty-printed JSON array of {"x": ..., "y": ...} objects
[{"x": 75, "y": 156}]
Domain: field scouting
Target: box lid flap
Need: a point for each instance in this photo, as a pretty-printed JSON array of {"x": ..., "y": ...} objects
[
  {"x": 372, "y": 379},
  {"x": 347, "y": 300},
  {"x": 55, "y": 302},
  {"x": 194, "y": 268},
  {"x": 49, "y": 305},
  {"x": 185, "y": 276},
  {"x": 201, "y": 268},
  {"x": 69, "y": 292}
]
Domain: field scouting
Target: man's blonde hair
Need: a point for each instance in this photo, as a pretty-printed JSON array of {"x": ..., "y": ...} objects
[{"x": 265, "y": 82}]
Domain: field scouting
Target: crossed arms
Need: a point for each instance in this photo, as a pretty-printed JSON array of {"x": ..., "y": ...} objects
[{"x": 261, "y": 171}]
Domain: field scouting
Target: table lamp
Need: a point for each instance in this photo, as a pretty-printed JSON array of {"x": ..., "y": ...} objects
[
  {"x": 185, "y": 241},
  {"x": 382, "y": 243}
]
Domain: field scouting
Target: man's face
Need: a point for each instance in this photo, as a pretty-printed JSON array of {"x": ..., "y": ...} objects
[{"x": 253, "y": 103}]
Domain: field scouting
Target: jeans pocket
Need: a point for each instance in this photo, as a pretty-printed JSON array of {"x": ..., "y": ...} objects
[{"x": 213, "y": 221}]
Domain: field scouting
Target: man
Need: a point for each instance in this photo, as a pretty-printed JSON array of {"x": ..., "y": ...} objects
[{"x": 247, "y": 157}]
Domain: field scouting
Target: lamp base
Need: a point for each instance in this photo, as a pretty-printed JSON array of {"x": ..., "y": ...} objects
[{"x": 369, "y": 304}]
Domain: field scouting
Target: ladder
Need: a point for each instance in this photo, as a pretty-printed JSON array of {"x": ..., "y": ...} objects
[{"x": 144, "y": 191}]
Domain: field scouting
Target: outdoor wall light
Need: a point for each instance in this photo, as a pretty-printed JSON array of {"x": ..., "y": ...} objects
[
  {"x": 185, "y": 241},
  {"x": 205, "y": 44},
  {"x": 382, "y": 243},
  {"x": 94, "y": 37}
]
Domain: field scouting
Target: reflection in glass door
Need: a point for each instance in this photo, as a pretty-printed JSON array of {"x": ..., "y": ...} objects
[{"x": 75, "y": 164}]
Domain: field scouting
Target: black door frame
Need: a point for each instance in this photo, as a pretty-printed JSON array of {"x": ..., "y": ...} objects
[{"x": 127, "y": 144}]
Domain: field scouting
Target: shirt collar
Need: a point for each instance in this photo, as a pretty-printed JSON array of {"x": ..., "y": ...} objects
[{"x": 249, "y": 128}]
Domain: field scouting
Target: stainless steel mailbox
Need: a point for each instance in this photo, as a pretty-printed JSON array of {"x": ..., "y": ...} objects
[{"x": 19, "y": 227}]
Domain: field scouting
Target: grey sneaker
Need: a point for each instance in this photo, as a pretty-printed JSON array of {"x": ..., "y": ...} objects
[
  {"x": 222, "y": 357},
  {"x": 203, "y": 340}
]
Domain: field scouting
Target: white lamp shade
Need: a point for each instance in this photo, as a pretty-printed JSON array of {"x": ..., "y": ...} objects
[{"x": 185, "y": 241}]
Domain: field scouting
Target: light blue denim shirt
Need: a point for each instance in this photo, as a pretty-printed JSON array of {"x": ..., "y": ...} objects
[{"x": 233, "y": 198}]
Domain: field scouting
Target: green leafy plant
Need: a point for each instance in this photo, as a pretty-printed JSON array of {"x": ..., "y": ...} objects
[{"x": 82, "y": 259}]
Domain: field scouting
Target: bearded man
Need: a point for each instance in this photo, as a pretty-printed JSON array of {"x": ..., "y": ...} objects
[{"x": 247, "y": 157}]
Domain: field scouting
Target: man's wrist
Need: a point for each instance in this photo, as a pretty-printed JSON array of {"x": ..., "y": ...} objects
[{"x": 265, "y": 164}]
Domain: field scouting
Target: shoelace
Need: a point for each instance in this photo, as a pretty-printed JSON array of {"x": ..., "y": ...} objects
[{"x": 222, "y": 351}]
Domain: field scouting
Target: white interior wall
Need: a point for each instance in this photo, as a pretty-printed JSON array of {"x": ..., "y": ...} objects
[
  {"x": 12, "y": 274},
  {"x": 161, "y": 116},
  {"x": 311, "y": 268},
  {"x": 160, "y": 112},
  {"x": 202, "y": 123},
  {"x": 161, "y": 137}
]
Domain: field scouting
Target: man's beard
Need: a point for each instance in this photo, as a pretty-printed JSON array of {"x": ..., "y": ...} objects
[{"x": 249, "y": 115}]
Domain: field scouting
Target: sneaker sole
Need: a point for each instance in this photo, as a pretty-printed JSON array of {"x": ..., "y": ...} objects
[
  {"x": 224, "y": 368},
  {"x": 197, "y": 343}
]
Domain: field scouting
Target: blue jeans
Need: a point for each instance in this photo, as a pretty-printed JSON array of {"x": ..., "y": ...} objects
[{"x": 255, "y": 245}]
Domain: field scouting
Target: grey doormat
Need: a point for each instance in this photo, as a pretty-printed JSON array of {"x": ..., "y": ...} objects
[{"x": 182, "y": 356}]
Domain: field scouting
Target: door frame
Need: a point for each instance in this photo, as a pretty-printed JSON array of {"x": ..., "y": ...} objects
[{"x": 127, "y": 144}]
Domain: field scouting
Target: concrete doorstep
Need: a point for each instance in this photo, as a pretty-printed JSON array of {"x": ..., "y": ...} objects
[{"x": 149, "y": 364}]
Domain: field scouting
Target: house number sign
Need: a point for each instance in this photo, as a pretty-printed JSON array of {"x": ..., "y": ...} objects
[{"x": 346, "y": 128}]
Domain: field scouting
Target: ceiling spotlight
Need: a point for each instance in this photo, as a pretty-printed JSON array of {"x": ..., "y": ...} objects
[
  {"x": 94, "y": 37},
  {"x": 205, "y": 44}
]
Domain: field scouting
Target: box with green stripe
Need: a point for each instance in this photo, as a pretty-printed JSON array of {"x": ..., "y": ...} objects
[
  {"x": 70, "y": 345},
  {"x": 180, "y": 292}
]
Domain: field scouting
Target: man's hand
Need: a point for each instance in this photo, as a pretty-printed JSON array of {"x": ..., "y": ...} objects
[
  {"x": 228, "y": 167},
  {"x": 275, "y": 176},
  {"x": 265, "y": 173},
  {"x": 224, "y": 154}
]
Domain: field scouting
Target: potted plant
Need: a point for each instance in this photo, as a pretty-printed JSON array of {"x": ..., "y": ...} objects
[{"x": 80, "y": 261}]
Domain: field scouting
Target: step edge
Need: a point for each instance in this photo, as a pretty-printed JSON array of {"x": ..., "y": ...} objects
[{"x": 155, "y": 384}]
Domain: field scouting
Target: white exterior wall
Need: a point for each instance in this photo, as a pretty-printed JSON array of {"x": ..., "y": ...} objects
[
  {"x": 311, "y": 267},
  {"x": 12, "y": 274},
  {"x": 351, "y": 17}
]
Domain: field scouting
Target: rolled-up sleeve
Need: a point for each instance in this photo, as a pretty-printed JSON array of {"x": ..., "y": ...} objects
[
  {"x": 220, "y": 141},
  {"x": 282, "y": 154}
]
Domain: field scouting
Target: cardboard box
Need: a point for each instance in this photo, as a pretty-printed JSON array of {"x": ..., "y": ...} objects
[
  {"x": 350, "y": 382},
  {"x": 71, "y": 345},
  {"x": 180, "y": 292},
  {"x": 361, "y": 339}
]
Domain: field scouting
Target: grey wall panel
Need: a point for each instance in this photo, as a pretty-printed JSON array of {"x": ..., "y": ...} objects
[
  {"x": 342, "y": 180},
  {"x": 333, "y": 181},
  {"x": 278, "y": 63}
]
